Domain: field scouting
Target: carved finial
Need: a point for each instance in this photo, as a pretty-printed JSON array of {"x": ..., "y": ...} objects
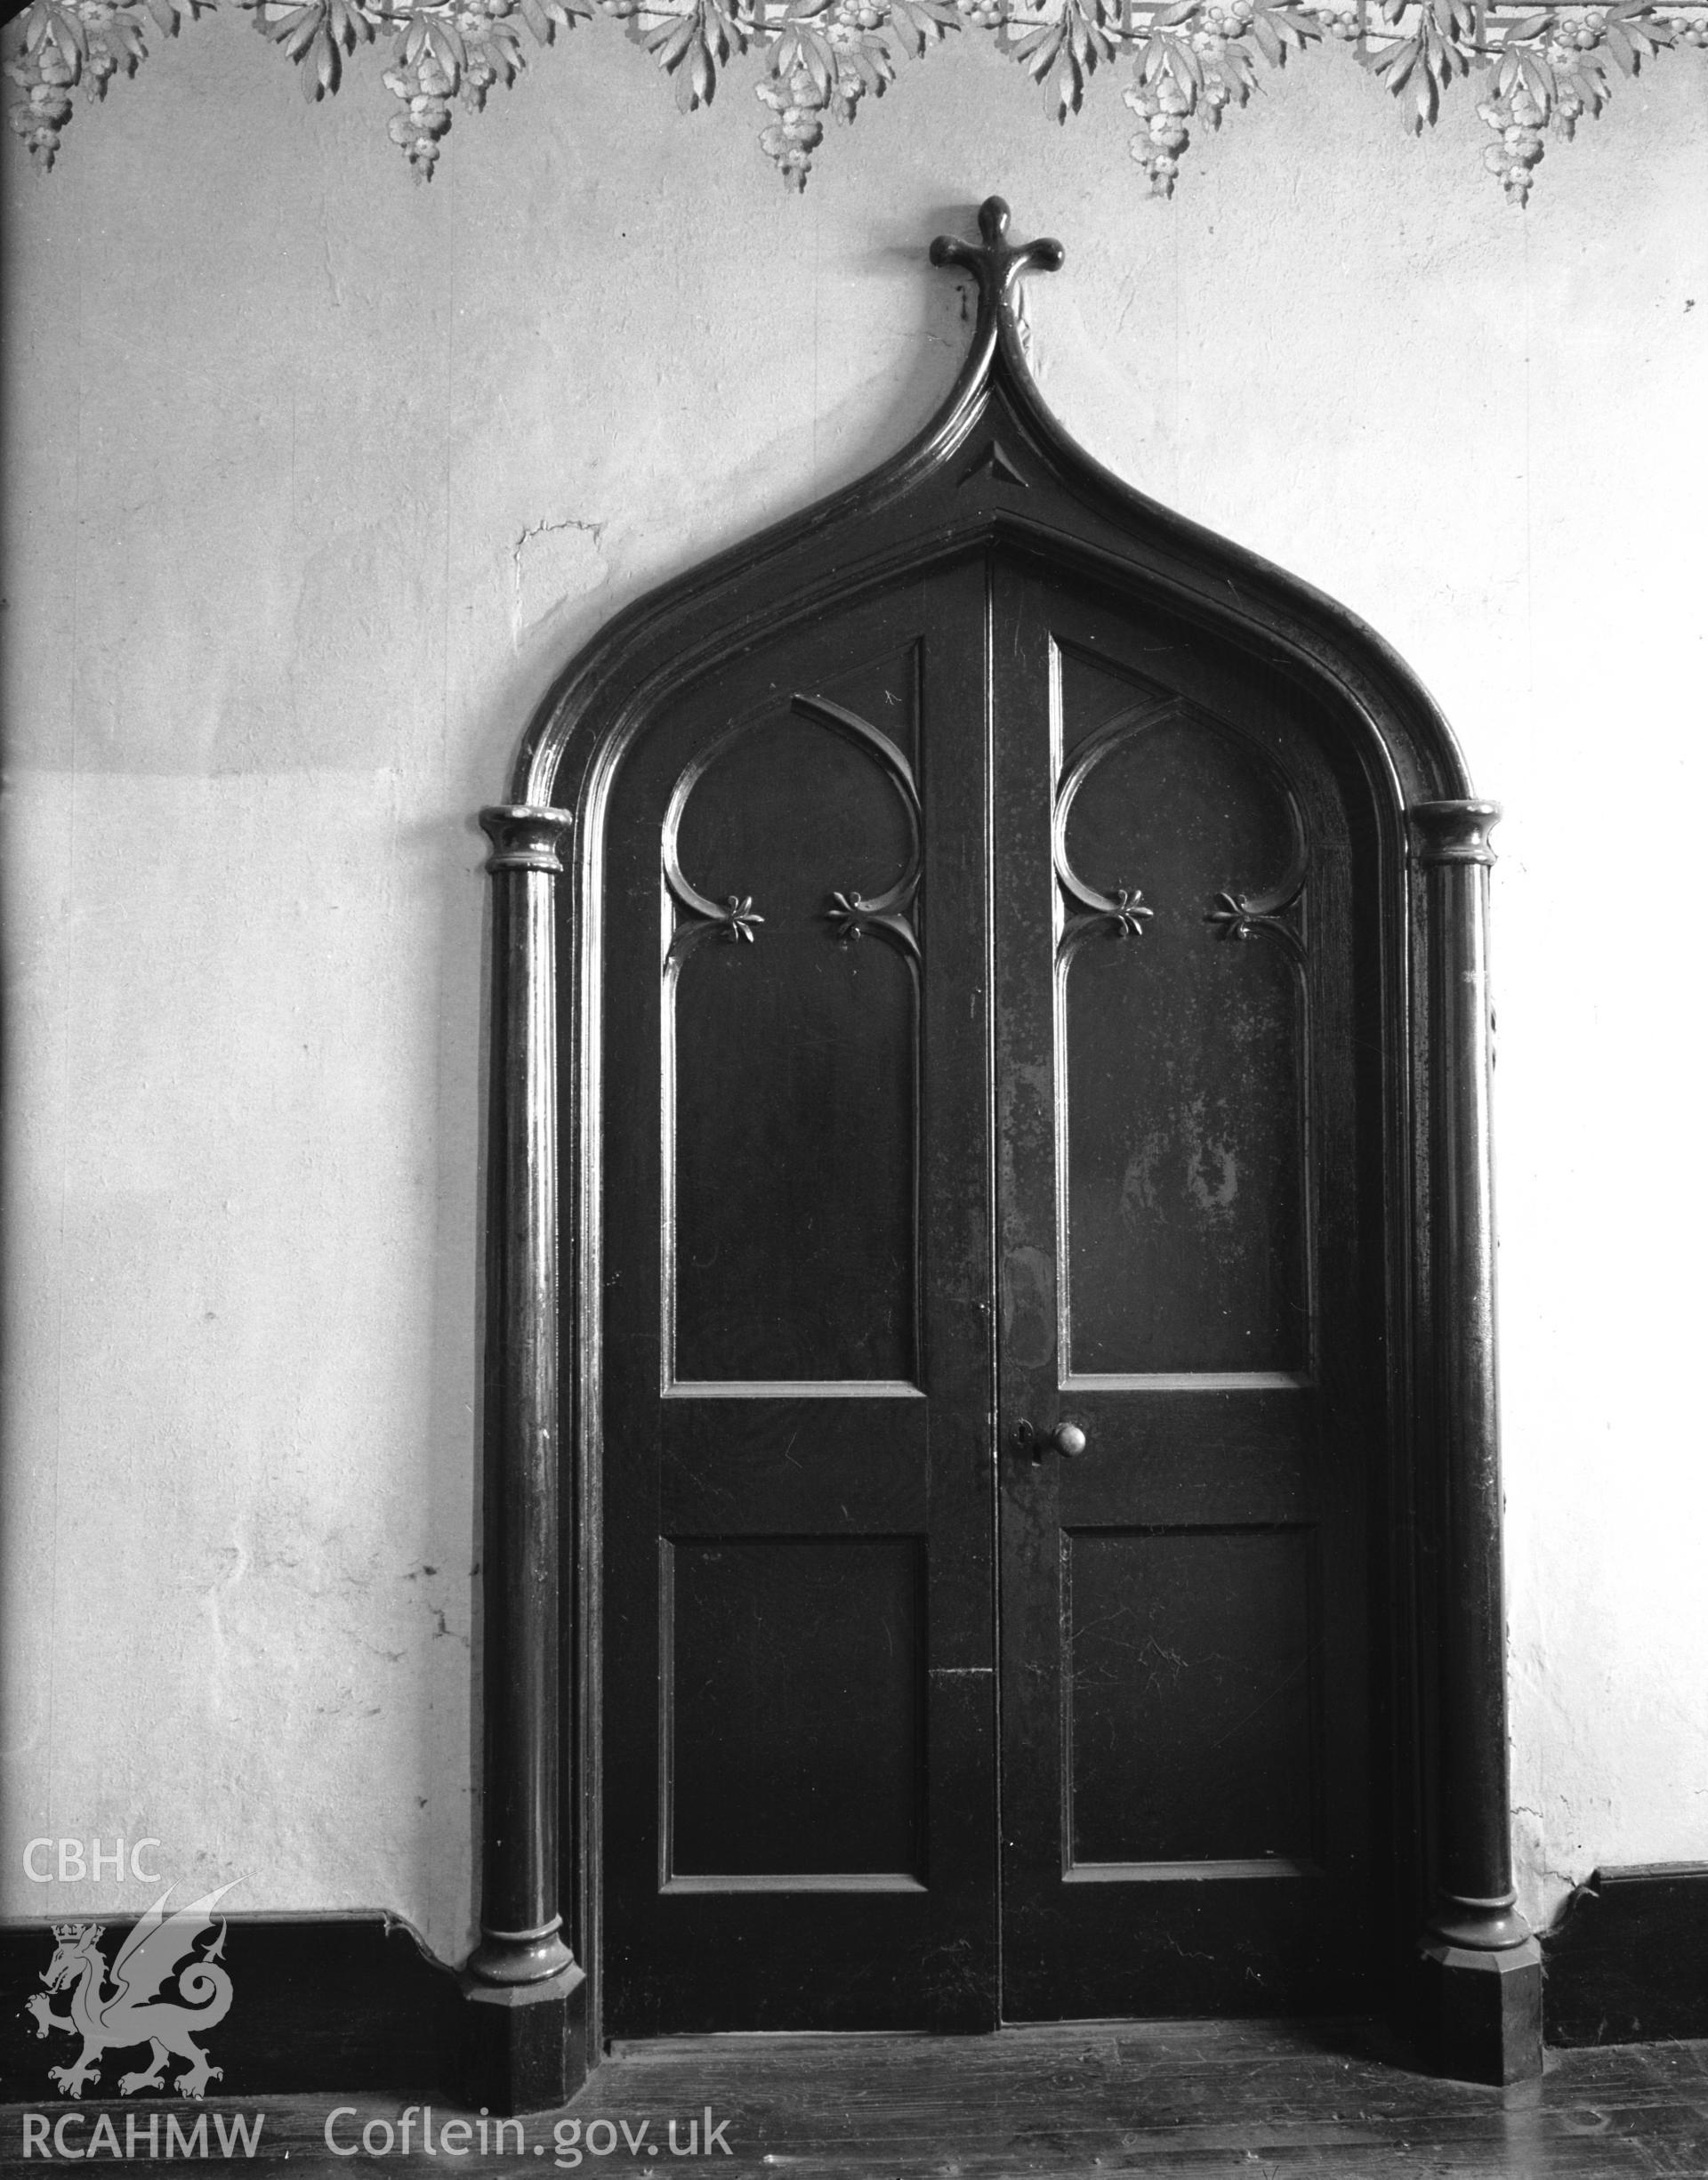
[{"x": 995, "y": 263}]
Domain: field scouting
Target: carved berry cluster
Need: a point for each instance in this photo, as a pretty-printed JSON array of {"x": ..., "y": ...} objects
[
  {"x": 56, "y": 44},
  {"x": 1199, "y": 59}
]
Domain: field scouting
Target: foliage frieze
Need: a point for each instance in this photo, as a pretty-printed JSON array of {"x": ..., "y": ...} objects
[{"x": 1189, "y": 61}]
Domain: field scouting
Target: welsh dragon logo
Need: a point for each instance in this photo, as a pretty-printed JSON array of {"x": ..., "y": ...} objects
[{"x": 132, "y": 2012}]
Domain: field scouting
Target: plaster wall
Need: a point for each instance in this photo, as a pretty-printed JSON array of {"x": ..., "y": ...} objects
[{"x": 314, "y": 478}]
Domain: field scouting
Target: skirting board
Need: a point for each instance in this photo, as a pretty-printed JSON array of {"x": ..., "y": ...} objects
[
  {"x": 356, "y": 2002},
  {"x": 1627, "y": 1963},
  {"x": 317, "y": 2002},
  {"x": 295, "y": 2004}
]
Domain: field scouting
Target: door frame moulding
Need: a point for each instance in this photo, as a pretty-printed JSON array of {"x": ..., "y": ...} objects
[{"x": 992, "y": 469}]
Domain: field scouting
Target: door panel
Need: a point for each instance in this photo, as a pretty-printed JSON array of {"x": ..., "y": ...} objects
[
  {"x": 793, "y": 1062},
  {"x": 799, "y": 1713},
  {"x": 797, "y": 1661},
  {"x": 1183, "y": 1099},
  {"x": 1179, "y": 1754},
  {"x": 1184, "y": 1643}
]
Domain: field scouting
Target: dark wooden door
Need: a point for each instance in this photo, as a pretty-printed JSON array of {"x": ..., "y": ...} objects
[
  {"x": 1188, "y": 1198},
  {"x": 925, "y": 1135},
  {"x": 800, "y": 1715}
]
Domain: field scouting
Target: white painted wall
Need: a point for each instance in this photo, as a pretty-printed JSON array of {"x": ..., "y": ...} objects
[{"x": 313, "y": 479}]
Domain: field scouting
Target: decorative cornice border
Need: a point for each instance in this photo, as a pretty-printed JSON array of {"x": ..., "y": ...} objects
[{"x": 1191, "y": 59}]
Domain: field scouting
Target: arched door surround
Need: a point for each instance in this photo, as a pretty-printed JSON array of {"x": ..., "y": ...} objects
[{"x": 1093, "y": 745}]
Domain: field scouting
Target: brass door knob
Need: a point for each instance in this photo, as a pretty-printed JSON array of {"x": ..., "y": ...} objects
[{"x": 1066, "y": 1439}]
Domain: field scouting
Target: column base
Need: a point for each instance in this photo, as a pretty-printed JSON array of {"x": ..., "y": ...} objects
[
  {"x": 534, "y": 1957},
  {"x": 1482, "y": 2012},
  {"x": 524, "y": 2046}
]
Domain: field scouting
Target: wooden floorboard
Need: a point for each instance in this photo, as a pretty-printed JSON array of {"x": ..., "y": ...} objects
[{"x": 1223, "y": 2101}]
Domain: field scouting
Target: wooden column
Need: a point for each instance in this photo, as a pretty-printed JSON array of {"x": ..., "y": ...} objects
[
  {"x": 1482, "y": 1967},
  {"x": 523, "y": 1969}
]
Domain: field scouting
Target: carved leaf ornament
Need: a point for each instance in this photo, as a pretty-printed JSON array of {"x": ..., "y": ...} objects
[{"x": 1541, "y": 72}]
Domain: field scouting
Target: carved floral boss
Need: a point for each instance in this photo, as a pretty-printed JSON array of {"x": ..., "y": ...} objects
[{"x": 1191, "y": 59}]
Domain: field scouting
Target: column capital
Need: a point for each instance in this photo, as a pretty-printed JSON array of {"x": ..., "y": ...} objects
[
  {"x": 1454, "y": 832},
  {"x": 526, "y": 837}
]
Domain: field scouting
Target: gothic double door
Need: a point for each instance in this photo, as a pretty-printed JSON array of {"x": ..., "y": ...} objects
[{"x": 991, "y": 1371}]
